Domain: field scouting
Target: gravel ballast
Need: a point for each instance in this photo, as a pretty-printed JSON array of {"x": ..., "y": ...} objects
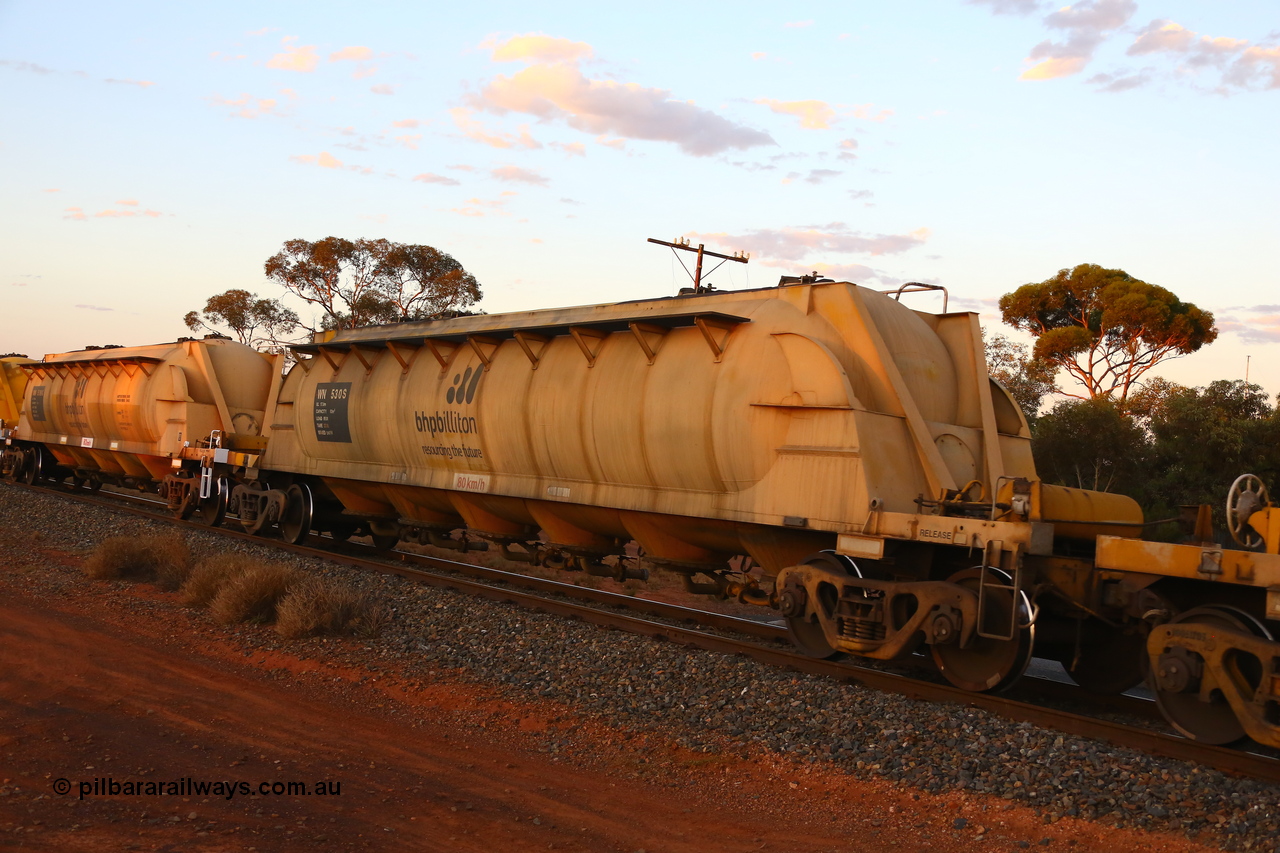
[{"x": 713, "y": 703}]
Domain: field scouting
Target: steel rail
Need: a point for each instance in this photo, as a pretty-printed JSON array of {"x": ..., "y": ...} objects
[{"x": 1233, "y": 761}]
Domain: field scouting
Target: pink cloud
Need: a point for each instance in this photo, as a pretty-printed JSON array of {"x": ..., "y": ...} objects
[
  {"x": 518, "y": 175},
  {"x": 813, "y": 115},
  {"x": 121, "y": 214},
  {"x": 324, "y": 160},
  {"x": 73, "y": 213},
  {"x": 302, "y": 58},
  {"x": 537, "y": 47},
  {"x": 1087, "y": 24},
  {"x": 408, "y": 122},
  {"x": 351, "y": 54},
  {"x": 128, "y": 202},
  {"x": 246, "y": 106},
  {"x": 142, "y": 84},
  {"x": 798, "y": 243},
  {"x": 557, "y": 90},
  {"x": 432, "y": 178},
  {"x": 475, "y": 130},
  {"x": 383, "y": 89}
]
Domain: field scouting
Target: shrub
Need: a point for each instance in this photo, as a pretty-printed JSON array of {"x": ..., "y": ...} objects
[
  {"x": 318, "y": 606},
  {"x": 211, "y": 574},
  {"x": 252, "y": 595},
  {"x": 164, "y": 560}
]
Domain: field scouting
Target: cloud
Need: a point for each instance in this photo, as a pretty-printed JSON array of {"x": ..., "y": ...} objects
[
  {"x": 616, "y": 144},
  {"x": 124, "y": 214},
  {"x": 302, "y": 58},
  {"x": 484, "y": 207},
  {"x": 1243, "y": 65},
  {"x": 128, "y": 202},
  {"x": 1262, "y": 327},
  {"x": 795, "y": 25},
  {"x": 575, "y": 149},
  {"x": 1009, "y": 7},
  {"x": 52, "y": 190},
  {"x": 818, "y": 176},
  {"x": 94, "y": 308},
  {"x": 1160, "y": 36},
  {"x": 383, "y": 89},
  {"x": 474, "y": 130},
  {"x": 813, "y": 115},
  {"x": 518, "y": 175},
  {"x": 410, "y": 140},
  {"x": 1120, "y": 82},
  {"x": 433, "y": 178},
  {"x": 859, "y": 195},
  {"x": 758, "y": 55},
  {"x": 408, "y": 123},
  {"x": 27, "y": 66},
  {"x": 863, "y": 111},
  {"x": 559, "y": 91},
  {"x": 1086, "y": 24},
  {"x": 351, "y": 54},
  {"x": 139, "y": 83},
  {"x": 797, "y": 243},
  {"x": 246, "y": 106},
  {"x": 73, "y": 213},
  {"x": 324, "y": 160},
  {"x": 847, "y": 147},
  {"x": 262, "y": 32},
  {"x": 537, "y": 47}
]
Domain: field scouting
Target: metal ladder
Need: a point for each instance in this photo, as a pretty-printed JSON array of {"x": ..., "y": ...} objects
[
  {"x": 206, "y": 466},
  {"x": 987, "y": 580}
]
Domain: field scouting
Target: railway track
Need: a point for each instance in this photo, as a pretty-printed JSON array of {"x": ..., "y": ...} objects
[{"x": 760, "y": 641}]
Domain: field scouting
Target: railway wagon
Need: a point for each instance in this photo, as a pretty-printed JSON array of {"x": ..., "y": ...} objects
[
  {"x": 125, "y": 415},
  {"x": 854, "y": 449},
  {"x": 13, "y": 382}
]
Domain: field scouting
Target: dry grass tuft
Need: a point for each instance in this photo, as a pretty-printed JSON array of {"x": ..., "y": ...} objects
[
  {"x": 319, "y": 606},
  {"x": 163, "y": 560},
  {"x": 252, "y": 595},
  {"x": 211, "y": 574}
]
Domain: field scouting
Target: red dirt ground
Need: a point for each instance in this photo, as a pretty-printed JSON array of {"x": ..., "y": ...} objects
[{"x": 120, "y": 682}]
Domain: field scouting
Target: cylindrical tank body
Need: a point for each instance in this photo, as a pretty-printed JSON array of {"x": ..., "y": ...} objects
[
  {"x": 128, "y": 411},
  {"x": 721, "y": 423}
]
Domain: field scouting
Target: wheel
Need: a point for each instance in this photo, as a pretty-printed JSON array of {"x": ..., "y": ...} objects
[
  {"x": 95, "y": 485},
  {"x": 990, "y": 665},
  {"x": 384, "y": 541},
  {"x": 32, "y": 471},
  {"x": 1112, "y": 661},
  {"x": 1214, "y": 721},
  {"x": 299, "y": 510},
  {"x": 806, "y": 632},
  {"x": 213, "y": 509},
  {"x": 1247, "y": 496}
]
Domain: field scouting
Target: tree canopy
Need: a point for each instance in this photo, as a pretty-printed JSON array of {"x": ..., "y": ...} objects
[
  {"x": 1104, "y": 327},
  {"x": 1026, "y": 380},
  {"x": 254, "y": 321},
  {"x": 367, "y": 282}
]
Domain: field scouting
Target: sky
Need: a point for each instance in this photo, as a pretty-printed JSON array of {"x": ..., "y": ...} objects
[{"x": 156, "y": 154}]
